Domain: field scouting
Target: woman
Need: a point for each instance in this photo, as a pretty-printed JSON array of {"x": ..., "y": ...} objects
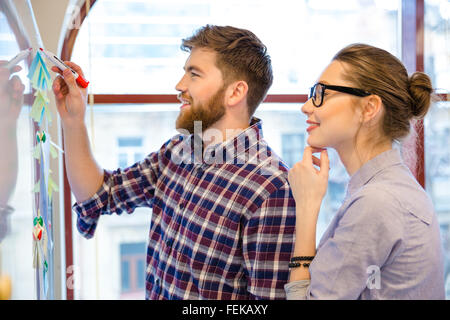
[{"x": 384, "y": 241}]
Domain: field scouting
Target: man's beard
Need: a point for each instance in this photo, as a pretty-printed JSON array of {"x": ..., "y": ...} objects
[{"x": 207, "y": 114}]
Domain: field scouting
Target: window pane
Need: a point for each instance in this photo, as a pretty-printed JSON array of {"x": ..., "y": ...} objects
[
  {"x": 133, "y": 46},
  {"x": 138, "y": 157},
  {"x": 132, "y": 249},
  {"x": 133, "y": 256},
  {"x": 437, "y": 152},
  {"x": 292, "y": 147},
  {"x": 130, "y": 142},
  {"x": 123, "y": 160},
  {"x": 437, "y": 122},
  {"x": 141, "y": 272},
  {"x": 125, "y": 273},
  {"x": 16, "y": 255},
  {"x": 437, "y": 43},
  {"x": 9, "y": 49}
]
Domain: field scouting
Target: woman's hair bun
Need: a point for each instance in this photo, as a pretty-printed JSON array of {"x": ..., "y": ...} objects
[{"x": 421, "y": 90}]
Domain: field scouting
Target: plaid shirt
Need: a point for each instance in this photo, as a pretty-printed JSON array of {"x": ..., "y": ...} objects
[{"x": 223, "y": 219}]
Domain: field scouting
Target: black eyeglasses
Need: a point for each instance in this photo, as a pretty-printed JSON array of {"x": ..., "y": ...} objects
[{"x": 318, "y": 90}]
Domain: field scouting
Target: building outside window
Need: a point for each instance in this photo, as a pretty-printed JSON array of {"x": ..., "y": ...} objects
[
  {"x": 292, "y": 147},
  {"x": 132, "y": 270},
  {"x": 130, "y": 150}
]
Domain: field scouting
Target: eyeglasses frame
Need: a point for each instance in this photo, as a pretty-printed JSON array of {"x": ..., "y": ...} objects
[{"x": 348, "y": 90}]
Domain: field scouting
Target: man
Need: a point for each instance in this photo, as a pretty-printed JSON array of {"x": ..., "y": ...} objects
[{"x": 223, "y": 216}]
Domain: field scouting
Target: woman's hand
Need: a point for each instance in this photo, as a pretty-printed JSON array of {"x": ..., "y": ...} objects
[{"x": 308, "y": 184}]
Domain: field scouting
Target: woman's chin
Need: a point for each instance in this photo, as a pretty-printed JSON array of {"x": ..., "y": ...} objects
[{"x": 316, "y": 144}]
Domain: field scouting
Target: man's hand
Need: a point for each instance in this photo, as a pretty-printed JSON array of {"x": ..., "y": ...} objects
[
  {"x": 70, "y": 98},
  {"x": 84, "y": 174}
]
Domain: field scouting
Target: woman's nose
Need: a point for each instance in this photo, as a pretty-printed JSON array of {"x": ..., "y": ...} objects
[{"x": 308, "y": 107}]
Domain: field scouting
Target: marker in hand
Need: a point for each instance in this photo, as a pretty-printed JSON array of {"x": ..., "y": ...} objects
[
  {"x": 19, "y": 57},
  {"x": 61, "y": 65}
]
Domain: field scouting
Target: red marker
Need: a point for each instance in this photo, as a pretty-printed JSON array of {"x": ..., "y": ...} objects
[{"x": 61, "y": 65}]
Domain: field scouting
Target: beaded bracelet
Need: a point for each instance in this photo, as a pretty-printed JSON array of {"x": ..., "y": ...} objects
[
  {"x": 303, "y": 258},
  {"x": 298, "y": 264}
]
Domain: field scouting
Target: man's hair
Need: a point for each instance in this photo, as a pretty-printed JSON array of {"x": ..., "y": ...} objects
[{"x": 240, "y": 56}]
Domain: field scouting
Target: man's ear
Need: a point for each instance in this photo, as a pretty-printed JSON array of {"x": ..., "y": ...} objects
[
  {"x": 372, "y": 109},
  {"x": 236, "y": 93}
]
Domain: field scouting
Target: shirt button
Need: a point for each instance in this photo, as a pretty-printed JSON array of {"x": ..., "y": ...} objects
[
  {"x": 181, "y": 206},
  {"x": 169, "y": 242}
]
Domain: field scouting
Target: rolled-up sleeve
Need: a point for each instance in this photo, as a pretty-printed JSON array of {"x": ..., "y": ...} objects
[
  {"x": 122, "y": 190},
  {"x": 297, "y": 290}
]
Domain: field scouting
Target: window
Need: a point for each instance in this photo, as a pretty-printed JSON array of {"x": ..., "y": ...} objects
[
  {"x": 132, "y": 258},
  {"x": 129, "y": 150},
  {"x": 437, "y": 123},
  {"x": 133, "y": 46},
  {"x": 292, "y": 147},
  {"x": 16, "y": 258},
  {"x": 130, "y": 53}
]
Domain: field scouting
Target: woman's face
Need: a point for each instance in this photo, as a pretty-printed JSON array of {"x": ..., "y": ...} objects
[{"x": 337, "y": 121}]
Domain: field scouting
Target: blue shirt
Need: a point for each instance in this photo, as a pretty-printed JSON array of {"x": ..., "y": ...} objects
[{"x": 383, "y": 243}]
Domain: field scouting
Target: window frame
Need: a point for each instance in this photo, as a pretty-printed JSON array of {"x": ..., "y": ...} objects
[{"x": 412, "y": 49}]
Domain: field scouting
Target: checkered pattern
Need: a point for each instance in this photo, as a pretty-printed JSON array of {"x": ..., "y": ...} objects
[{"x": 222, "y": 227}]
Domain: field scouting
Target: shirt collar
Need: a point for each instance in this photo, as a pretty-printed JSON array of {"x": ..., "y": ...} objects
[
  {"x": 372, "y": 167},
  {"x": 235, "y": 147}
]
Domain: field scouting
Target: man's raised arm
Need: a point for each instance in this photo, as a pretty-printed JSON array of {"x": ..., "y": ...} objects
[{"x": 84, "y": 174}]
